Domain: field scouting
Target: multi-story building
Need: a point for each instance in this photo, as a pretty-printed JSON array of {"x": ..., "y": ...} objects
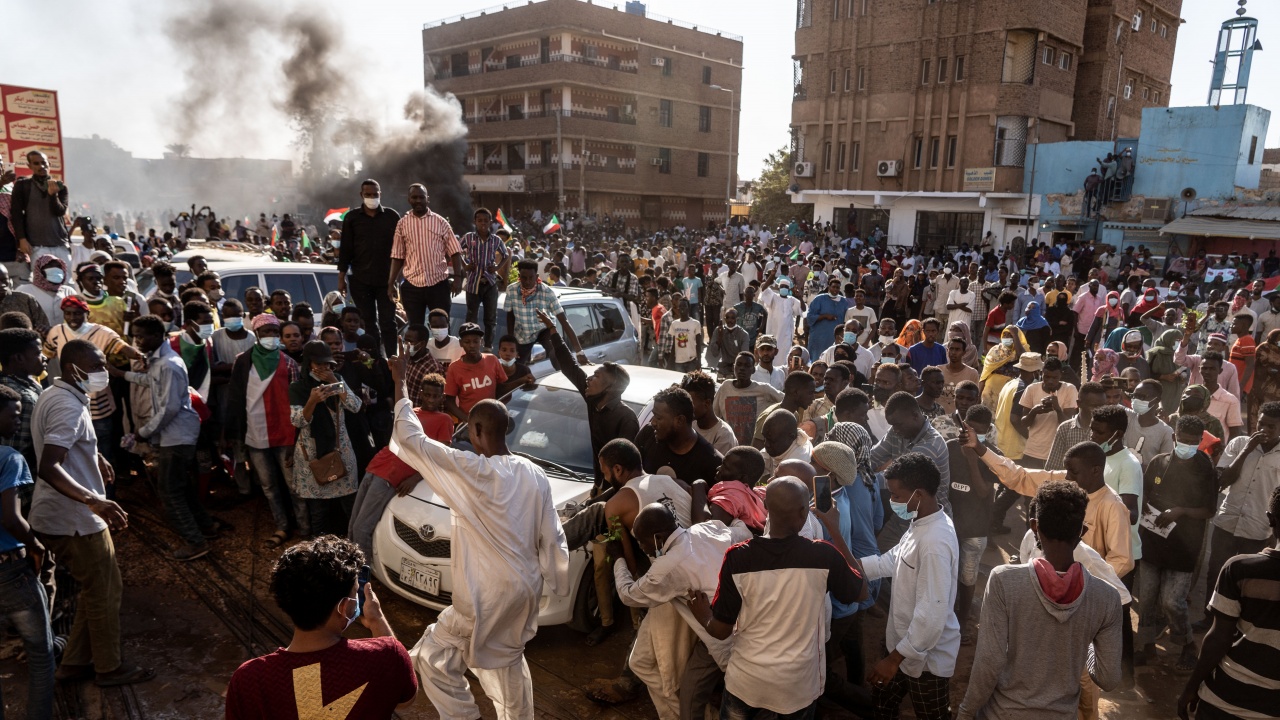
[
  {"x": 582, "y": 107},
  {"x": 915, "y": 115}
]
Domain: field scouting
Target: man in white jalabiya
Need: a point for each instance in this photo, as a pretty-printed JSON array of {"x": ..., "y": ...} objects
[{"x": 507, "y": 544}]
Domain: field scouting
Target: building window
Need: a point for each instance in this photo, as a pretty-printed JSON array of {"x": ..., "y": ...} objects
[
  {"x": 797, "y": 80},
  {"x": 917, "y": 153},
  {"x": 664, "y": 113},
  {"x": 1253, "y": 149},
  {"x": 1128, "y": 89},
  {"x": 706, "y": 74},
  {"x": 1146, "y": 93},
  {"x": 1164, "y": 30},
  {"x": 942, "y": 70},
  {"x": 1111, "y": 106},
  {"x": 1157, "y": 98},
  {"x": 951, "y": 151},
  {"x": 848, "y": 79},
  {"x": 1019, "y": 57},
  {"x": 855, "y": 157},
  {"x": 826, "y": 156},
  {"x": 924, "y": 71},
  {"x": 666, "y": 67},
  {"x": 1064, "y": 61},
  {"x": 947, "y": 229},
  {"x": 704, "y": 119},
  {"x": 866, "y": 7},
  {"x": 831, "y": 81},
  {"x": 862, "y": 77},
  {"x": 840, "y": 157},
  {"x": 835, "y": 9},
  {"x": 935, "y": 145},
  {"x": 1048, "y": 55},
  {"x": 704, "y": 164},
  {"x": 804, "y": 13},
  {"x": 1011, "y": 141},
  {"x": 959, "y": 68},
  {"x": 852, "y": 4},
  {"x": 1153, "y": 25},
  {"x": 664, "y": 156}
]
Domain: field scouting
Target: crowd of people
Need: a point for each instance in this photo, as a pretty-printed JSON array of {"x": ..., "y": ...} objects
[{"x": 849, "y": 427}]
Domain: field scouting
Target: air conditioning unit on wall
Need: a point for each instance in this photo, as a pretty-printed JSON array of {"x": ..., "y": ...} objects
[
  {"x": 888, "y": 168},
  {"x": 658, "y": 62},
  {"x": 804, "y": 169},
  {"x": 655, "y": 161}
]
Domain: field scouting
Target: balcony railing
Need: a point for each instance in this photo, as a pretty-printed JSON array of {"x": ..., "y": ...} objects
[
  {"x": 608, "y": 63},
  {"x": 576, "y": 112},
  {"x": 597, "y": 163},
  {"x": 649, "y": 15}
]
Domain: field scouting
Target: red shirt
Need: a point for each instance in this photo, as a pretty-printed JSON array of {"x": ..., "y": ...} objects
[
  {"x": 437, "y": 425},
  {"x": 472, "y": 383},
  {"x": 362, "y": 679},
  {"x": 995, "y": 319}
]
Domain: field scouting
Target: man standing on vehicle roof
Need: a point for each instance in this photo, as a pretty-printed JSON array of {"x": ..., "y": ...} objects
[{"x": 368, "y": 234}]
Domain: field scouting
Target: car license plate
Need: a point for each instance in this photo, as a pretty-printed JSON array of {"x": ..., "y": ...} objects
[{"x": 423, "y": 578}]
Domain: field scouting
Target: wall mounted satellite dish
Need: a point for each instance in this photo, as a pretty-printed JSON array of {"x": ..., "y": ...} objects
[
  {"x": 1188, "y": 194},
  {"x": 795, "y": 188}
]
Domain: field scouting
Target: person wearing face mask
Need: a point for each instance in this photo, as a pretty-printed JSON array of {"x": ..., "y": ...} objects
[
  {"x": 320, "y": 402},
  {"x": 316, "y": 584},
  {"x": 49, "y": 287},
  {"x": 1181, "y": 491},
  {"x": 922, "y": 635},
  {"x": 1147, "y": 435},
  {"x": 257, "y": 417},
  {"x": 368, "y": 235},
  {"x": 1086, "y": 305},
  {"x": 195, "y": 346},
  {"x": 971, "y": 494},
  {"x": 420, "y": 362},
  {"x": 782, "y": 310},
  {"x": 172, "y": 431}
]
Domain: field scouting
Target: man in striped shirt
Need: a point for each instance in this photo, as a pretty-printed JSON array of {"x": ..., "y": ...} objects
[
  {"x": 486, "y": 260},
  {"x": 422, "y": 251}
]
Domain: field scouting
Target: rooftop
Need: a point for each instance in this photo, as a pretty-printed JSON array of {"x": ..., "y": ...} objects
[{"x": 648, "y": 15}]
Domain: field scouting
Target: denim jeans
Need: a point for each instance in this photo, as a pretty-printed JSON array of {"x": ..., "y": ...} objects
[
  {"x": 971, "y": 550},
  {"x": 176, "y": 485},
  {"x": 22, "y": 603},
  {"x": 370, "y": 503},
  {"x": 1162, "y": 595},
  {"x": 732, "y": 708},
  {"x": 270, "y": 467},
  {"x": 488, "y": 296}
]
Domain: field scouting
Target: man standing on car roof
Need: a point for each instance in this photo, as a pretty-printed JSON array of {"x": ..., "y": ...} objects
[{"x": 367, "y": 235}]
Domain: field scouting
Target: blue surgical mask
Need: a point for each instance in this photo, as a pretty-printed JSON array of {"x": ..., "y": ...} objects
[
  {"x": 1109, "y": 445},
  {"x": 1185, "y": 451},
  {"x": 54, "y": 275},
  {"x": 983, "y": 438},
  {"x": 1007, "y": 342},
  {"x": 205, "y": 332},
  {"x": 355, "y": 615},
  {"x": 337, "y": 309},
  {"x": 900, "y": 509},
  {"x": 819, "y": 388},
  {"x": 784, "y": 292},
  {"x": 269, "y": 343},
  {"x": 359, "y": 332},
  {"x": 1141, "y": 406},
  {"x": 850, "y": 338},
  {"x": 234, "y": 324}
]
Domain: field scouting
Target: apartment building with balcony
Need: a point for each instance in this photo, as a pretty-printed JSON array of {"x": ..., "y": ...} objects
[
  {"x": 915, "y": 116},
  {"x": 576, "y": 106}
]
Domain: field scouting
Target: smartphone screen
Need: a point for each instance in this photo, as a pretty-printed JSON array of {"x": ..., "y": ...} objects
[
  {"x": 822, "y": 492},
  {"x": 364, "y": 580}
]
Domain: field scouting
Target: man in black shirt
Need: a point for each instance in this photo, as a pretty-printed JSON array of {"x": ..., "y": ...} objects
[
  {"x": 669, "y": 440},
  {"x": 367, "y": 235},
  {"x": 1182, "y": 488},
  {"x": 971, "y": 494}
]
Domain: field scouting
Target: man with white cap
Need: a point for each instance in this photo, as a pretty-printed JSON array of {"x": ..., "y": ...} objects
[{"x": 783, "y": 308}]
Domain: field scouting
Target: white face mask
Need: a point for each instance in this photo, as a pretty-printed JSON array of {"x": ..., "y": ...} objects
[
  {"x": 439, "y": 333},
  {"x": 336, "y": 244},
  {"x": 95, "y": 382},
  {"x": 507, "y": 363},
  {"x": 269, "y": 343},
  {"x": 372, "y": 203},
  {"x": 54, "y": 275},
  {"x": 205, "y": 332}
]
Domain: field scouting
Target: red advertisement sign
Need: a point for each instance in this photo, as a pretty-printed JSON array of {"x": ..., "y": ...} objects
[{"x": 29, "y": 121}]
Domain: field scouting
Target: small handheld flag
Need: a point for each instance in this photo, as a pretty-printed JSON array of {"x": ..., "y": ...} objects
[
  {"x": 551, "y": 227},
  {"x": 335, "y": 215},
  {"x": 502, "y": 221}
]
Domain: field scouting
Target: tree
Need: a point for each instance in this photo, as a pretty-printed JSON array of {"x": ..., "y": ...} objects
[
  {"x": 179, "y": 149},
  {"x": 772, "y": 204}
]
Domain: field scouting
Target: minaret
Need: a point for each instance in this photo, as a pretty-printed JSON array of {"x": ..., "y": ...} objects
[{"x": 1237, "y": 40}]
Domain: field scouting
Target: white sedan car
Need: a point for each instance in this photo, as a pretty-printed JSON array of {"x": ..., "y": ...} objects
[{"x": 411, "y": 546}]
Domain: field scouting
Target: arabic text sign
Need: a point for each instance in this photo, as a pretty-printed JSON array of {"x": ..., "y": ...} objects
[{"x": 29, "y": 121}]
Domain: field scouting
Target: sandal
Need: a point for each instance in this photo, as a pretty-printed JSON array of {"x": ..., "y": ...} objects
[
  {"x": 597, "y": 636},
  {"x": 276, "y": 540},
  {"x": 125, "y": 675},
  {"x": 607, "y": 691}
]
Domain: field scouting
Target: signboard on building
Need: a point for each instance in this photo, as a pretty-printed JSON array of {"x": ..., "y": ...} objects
[
  {"x": 979, "y": 179},
  {"x": 29, "y": 121},
  {"x": 495, "y": 183}
]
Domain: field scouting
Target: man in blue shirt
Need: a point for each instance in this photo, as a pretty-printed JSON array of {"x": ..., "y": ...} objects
[
  {"x": 23, "y": 602},
  {"x": 825, "y": 312},
  {"x": 928, "y": 351}
]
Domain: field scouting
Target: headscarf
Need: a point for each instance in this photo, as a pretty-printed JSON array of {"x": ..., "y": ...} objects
[
  {"x": 999, "y": 355},
  {"x": 912, "y": 333},
  {"x": 1116, "y": 312},
  {"x": 264, "y": 319},
  {"x": 39, "y": 280},
  {"x": 1104, "y": 363},
  {"x": 1160, "y": 356},
  {"x": 1057, "y": 349},
  {"x": 961, "y": 330},
  {"x": 323, "y": 424},
  {"x": 855, "y": 436},
  {"x": 74, "y": 301},
  {"x": 331, "y": 299},
  {"x": 264, "y": 361},
  {"x": 1033, "y": 319}
]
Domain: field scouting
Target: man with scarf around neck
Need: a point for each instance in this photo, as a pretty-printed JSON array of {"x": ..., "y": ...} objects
[
  {"x": 172, "y": 431},
  {"x": 1045, "y": 623},
  {"x": 38, "y": 206},
  {"x": 257, "y": 413},
  {"x": 48, "y": 287}
]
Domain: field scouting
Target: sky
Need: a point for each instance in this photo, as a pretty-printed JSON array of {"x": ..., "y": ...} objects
[{"x": 119, "y": 75}]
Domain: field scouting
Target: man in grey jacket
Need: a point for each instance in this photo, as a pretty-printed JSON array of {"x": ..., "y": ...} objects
[{"x": 1045, "y": 623}]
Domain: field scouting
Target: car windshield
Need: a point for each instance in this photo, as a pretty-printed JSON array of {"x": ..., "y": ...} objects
[{"x": 551, "y": 424}]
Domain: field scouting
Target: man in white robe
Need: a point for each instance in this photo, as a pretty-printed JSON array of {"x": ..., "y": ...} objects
[{"x": 507, "y": 543}]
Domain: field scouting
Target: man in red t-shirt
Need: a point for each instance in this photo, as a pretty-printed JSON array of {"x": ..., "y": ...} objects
[
  {"x": 321, "y": 673},
  {"x": 387, "y": 476},
  {"x": 473, "y": 377}
]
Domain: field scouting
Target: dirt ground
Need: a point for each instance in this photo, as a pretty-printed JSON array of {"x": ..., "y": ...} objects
[{"x": 194, "y": 623}]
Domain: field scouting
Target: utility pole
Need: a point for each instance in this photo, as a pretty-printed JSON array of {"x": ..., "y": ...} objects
[
  {"x": 728, "y": 180},
  {"x": 559, "y": 165}
]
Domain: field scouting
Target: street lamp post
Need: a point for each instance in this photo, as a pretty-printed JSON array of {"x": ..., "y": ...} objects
[{"x": 728, "y": 180}]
